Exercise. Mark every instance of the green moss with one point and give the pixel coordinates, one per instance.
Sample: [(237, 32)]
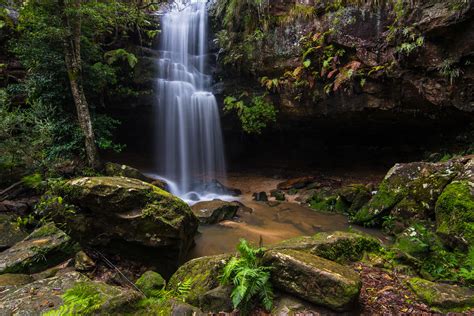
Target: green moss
[(151, 283), (203, 274), (444, 297), (337, 246), (324, 201), (455, 212), (386, 198)]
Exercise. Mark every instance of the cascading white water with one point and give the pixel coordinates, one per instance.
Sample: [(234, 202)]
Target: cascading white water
[(189, 139)]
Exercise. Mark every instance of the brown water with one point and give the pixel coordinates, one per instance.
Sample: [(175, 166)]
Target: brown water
[(270, 224)]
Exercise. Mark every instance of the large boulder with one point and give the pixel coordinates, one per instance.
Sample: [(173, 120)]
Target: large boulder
[(46, 295), (117, 170), (336, 246), (45, 247), (126, 216), (455, 209), (202, 274), (409, 191), (442, 296), (212, 212), (313, 278)]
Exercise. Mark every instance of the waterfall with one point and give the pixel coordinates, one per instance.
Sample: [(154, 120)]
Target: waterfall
[(188, 134)]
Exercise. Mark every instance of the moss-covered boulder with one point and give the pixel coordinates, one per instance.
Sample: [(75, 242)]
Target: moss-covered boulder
[(46, 295), (445, 297), (285, 304), (416, 186), (212, 212), (10, 233), (44, 248), (126, 216), (455, 214), (315, 279), (354, 196), (202, 274), (337, 246), (151, 283), (118, 170)]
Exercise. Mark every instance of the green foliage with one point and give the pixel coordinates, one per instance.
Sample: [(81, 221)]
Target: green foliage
[(450, 70), (113, 56), (82, 299), (255, 115), (250, 279)]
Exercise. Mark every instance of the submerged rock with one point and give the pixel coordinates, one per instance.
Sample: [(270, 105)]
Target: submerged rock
[(212, 212), (202, 274), (443, 296), (313, 278), (260, 196), (44, 248), (337, 246), (127, 216)]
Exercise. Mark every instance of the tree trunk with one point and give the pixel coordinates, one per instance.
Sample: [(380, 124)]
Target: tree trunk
[(72, 52)]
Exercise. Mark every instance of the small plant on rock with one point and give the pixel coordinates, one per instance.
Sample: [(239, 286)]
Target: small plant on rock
[(250, 279)]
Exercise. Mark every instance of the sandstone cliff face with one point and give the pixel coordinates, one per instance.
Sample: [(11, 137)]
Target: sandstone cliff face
[(434, 81)]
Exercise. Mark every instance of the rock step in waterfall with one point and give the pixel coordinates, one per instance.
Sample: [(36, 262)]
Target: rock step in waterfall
[(189, 142)]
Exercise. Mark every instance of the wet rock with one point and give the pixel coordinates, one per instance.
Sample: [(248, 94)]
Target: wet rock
[(260, 196), (83, 263), (279, 195), (151, 283), (216, 187), (217, 300), (337, 246), (313, 278), (285, 304), (10, 233), (443, 296), (45, 295), (129, 217), (418, 184), (296, 183), (203, 273), (118, 170), (45, 247), (212, 212)]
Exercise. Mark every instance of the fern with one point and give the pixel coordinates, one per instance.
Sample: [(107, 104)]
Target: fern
[(183, 289), (250, 280), (82, 299)]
